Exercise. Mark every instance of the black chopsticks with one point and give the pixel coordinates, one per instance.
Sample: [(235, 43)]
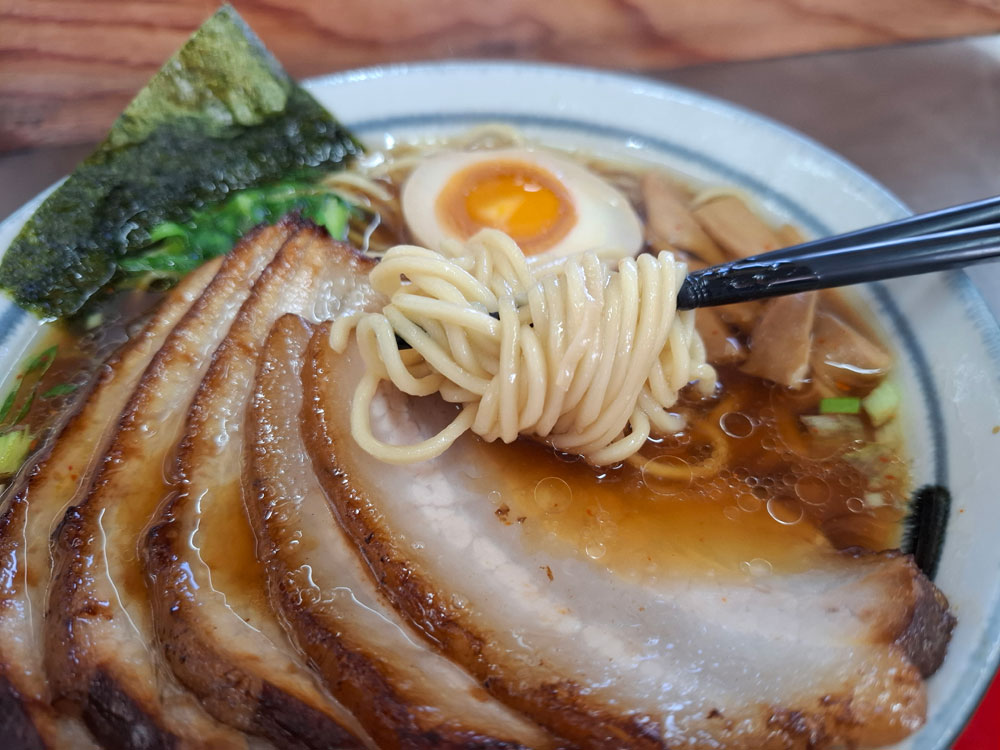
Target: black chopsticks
[(936, 241)]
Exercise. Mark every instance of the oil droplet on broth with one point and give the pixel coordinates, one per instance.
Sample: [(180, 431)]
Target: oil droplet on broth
[(812, 489), (553, 495), (748, 503), (855, 504), (736, 424), (621, 523), (785, 511), (757, 567), (665, 475)]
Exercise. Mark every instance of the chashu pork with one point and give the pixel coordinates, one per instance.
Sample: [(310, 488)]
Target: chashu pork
[(406, 694), (100, 644), (36, 504), (833, 655), (210, 603)]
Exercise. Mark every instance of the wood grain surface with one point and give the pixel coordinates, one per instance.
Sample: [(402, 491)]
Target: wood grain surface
[(67, 67)]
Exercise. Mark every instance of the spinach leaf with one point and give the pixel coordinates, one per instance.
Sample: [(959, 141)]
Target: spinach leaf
[(213, 230)]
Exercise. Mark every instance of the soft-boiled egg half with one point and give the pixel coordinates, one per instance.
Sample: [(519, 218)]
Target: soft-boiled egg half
[(551, 206)]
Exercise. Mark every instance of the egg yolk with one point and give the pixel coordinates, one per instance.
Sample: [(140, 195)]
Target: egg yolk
[(520, 199)]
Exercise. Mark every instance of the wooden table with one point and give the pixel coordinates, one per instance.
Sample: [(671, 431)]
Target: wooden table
[(922, 118), (68, 66)]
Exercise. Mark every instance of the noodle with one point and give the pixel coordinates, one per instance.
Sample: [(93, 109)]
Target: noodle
[(585, 359), (684, 471)]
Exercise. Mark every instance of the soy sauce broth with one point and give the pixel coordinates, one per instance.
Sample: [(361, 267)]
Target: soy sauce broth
[(66, 359), (779, 501)]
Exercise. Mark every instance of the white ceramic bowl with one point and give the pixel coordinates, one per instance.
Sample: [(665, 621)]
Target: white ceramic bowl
[(948, 344)]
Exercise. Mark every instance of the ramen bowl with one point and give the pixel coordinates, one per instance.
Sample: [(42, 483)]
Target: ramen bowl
[(946, 343)]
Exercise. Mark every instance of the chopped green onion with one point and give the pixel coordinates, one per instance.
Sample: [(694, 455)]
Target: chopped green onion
[(42, 361), (14, 447), (842, 405), (59, 390), (882, 404), (8, 404)]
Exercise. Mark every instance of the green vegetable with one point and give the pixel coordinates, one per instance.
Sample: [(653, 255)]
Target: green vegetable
[(14, 448), (220, 116), (27, 385), (59, 390), (41, 361), (8, 404), (882, 403), (214, 229), (843, 405)]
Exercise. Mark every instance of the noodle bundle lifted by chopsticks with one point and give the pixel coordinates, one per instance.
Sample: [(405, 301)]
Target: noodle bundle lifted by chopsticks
[(583, 358)]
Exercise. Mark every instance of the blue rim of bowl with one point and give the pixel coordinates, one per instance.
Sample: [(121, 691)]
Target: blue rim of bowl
[(982, 669)]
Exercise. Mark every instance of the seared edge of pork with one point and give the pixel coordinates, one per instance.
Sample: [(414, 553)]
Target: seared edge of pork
[(247, 676)]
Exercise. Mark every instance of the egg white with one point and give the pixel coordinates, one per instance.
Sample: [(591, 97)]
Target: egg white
[(605, 220)]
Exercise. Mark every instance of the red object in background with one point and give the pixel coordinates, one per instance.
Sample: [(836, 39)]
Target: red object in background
[(983, 732)]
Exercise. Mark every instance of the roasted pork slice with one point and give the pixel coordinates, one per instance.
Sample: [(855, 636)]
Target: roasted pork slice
[(826, 655), (37, 503), (406, 694), (100, 644), (210, 603)]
